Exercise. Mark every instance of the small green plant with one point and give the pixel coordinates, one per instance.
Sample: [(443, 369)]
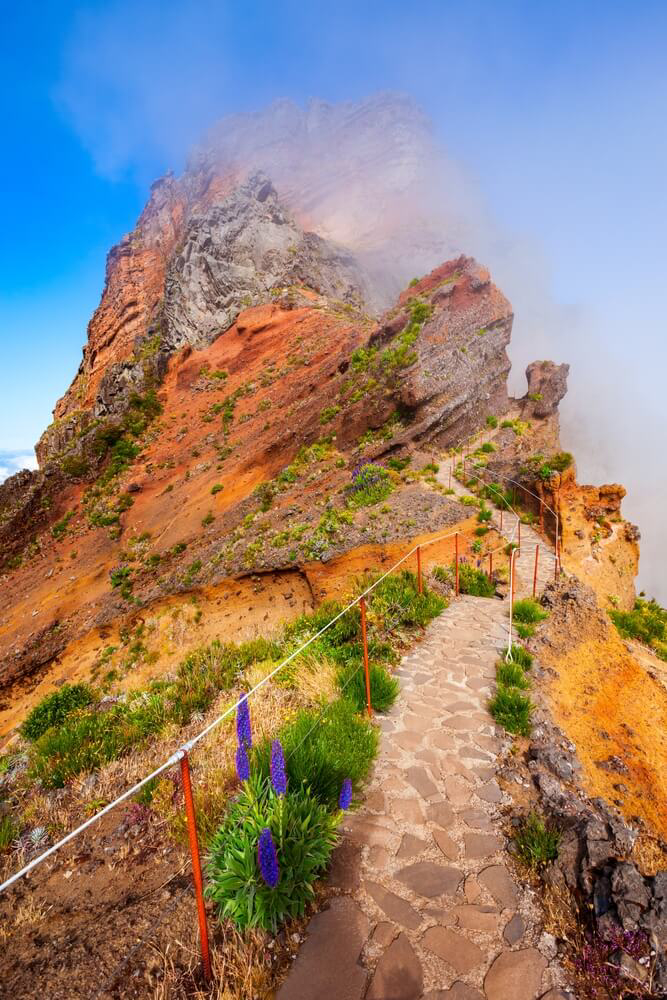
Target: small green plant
[(511, 675), (8, 833), (370, 484), (527, 611), (398, 464), (55, 708), (521, 656), (384, 687), (323, 748), (121, 579), (512, 710), (647, 623), (303, 835), (216, 488), (208, 519), (75, 466), (536, 842), (328, 413), (474, 581), (491, 421), (59, 530)]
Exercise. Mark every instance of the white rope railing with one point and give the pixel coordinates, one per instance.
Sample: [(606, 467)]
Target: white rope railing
[(183, 750)]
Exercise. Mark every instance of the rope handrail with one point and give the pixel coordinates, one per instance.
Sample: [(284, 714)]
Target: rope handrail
[(186, 747)]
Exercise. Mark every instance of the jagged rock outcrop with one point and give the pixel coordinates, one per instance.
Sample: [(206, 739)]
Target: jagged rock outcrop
[(547, 384), (240, 252)]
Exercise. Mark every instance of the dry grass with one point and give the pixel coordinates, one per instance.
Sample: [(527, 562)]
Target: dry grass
[(649, 854), (28, 914)]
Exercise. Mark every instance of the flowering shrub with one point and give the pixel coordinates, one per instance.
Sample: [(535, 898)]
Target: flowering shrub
[(598, 965), (370, 484), (268, 853)]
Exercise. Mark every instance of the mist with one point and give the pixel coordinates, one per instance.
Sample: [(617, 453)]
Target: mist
[(532, 152)]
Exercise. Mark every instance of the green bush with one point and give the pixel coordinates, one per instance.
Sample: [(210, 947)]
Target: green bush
[(647, 622), (55, 708), (521, 656), (8, 833), (322, 748), (397, 603), (528, 611), (370, 484), (304, 834), (75, 466), (398, 464), (384, 687), (511, 675), (491, 421), (474, 581), (512, 710), (536, 842)]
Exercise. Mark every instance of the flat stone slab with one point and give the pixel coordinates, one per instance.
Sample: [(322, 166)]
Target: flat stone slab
[(429, 879), (514, 929), (448, 846), (345, 867), (477, 819), (409, 810), (515, 974), (397, 909), (456, 950), (459, 991), (440, 813), (411, 846), (498, 881), (419, 778), (477, 918), (398, 974), (481, 845), (327, 962), (490, 792)]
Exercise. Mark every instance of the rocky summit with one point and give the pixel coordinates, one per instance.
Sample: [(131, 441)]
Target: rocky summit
[(267, 410)]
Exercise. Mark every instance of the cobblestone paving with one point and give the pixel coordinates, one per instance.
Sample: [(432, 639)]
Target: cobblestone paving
[(432, 909)]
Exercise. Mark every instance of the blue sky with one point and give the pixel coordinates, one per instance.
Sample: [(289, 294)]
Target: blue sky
[(556, 112)]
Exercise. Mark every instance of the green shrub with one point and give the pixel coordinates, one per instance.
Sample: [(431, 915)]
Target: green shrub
[(216, 488), (304, 834), (384, 687), (8, 833), (536, 842), (398, 464), (525, 631), (75, 466), (370, 484), (59, 529), (55, 708), (322, 748), (511, 675), (521, 656), (397, 603), (474, 581), (528, 612), (85, 742), (491, 421), (512, 710), (647, 622)]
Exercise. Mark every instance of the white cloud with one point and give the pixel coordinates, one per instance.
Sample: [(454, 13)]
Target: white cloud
[(13, 461)]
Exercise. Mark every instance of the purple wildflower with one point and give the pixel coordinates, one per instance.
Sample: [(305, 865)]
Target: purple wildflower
[(278, 774), (242, 763), (268, 860), (345, 794), (243, 731)]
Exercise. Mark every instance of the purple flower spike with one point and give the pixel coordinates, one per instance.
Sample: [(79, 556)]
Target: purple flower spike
[(268, 860), (242, 763), (243, 724), (345, 794), (278, 774)]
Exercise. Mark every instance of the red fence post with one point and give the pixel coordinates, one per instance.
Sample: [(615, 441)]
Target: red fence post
[(490, 565), (537, 556), (196, 865), (513, 575), (420, 586), (456, 543), (364, 638)]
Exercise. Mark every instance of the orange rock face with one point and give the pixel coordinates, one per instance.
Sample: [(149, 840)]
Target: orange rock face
[(132, 293)]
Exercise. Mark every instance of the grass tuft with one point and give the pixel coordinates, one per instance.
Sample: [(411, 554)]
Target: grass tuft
[(537, 842), (512, 710)]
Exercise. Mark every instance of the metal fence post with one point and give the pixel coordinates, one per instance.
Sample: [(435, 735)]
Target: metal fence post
[(456, 543), (196, 865), (490, 565), (519, 545), (364, 639)]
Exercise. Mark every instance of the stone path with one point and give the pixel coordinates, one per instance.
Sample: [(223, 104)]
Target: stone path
[(431, 908)]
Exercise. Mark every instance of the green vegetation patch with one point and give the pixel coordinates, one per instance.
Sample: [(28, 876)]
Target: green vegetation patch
[(536, 841), (647, 623), (370, 484), (55, 708)]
